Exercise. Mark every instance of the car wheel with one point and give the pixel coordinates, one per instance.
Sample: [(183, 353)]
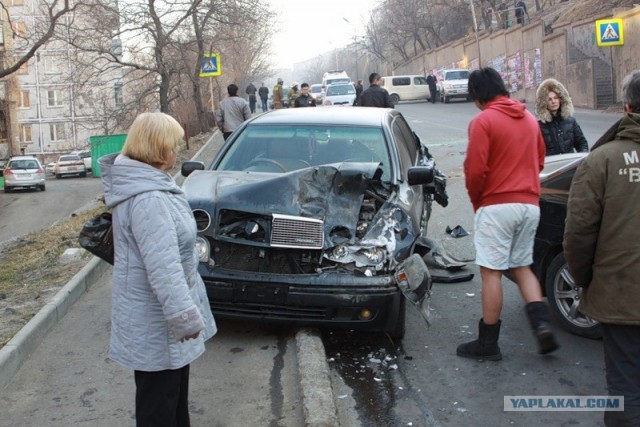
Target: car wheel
[(446, 99), (7, 189), (395, 99), (397, 329), (83, 175), (42, 187), (58, 176), (564, 299)]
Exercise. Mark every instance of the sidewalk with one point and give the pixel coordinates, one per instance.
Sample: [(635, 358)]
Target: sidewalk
[(313, 371)]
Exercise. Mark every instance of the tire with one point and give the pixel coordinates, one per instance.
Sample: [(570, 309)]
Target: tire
[(446, 99), (397, 329), (83, 175), (395, 99), (42, 187), (58, 176), (7, 189), (564, 300)]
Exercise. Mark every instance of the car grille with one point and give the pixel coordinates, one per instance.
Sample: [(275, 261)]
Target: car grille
[(296, 232), (268, 311)]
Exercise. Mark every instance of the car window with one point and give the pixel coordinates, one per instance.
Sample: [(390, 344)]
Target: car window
[(68, 158), (294, 147), (335, 90), (419, 80), (401, 81), (406, 144), (457, 75), (316, 89), (23, 164)]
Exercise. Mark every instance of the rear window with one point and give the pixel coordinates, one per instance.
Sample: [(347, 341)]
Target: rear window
[(23, 164), (69, 159), (316, 89)]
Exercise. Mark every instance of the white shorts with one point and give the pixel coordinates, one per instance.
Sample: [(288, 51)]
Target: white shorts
[(504, 235)]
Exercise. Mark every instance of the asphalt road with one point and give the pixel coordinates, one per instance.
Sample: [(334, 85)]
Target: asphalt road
[(27, 211)]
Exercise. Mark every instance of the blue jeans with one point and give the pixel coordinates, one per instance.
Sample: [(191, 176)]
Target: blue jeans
[(264, 104)]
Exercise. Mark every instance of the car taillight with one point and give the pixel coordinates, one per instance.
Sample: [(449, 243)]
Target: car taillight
[(40, 170), (8, 172)]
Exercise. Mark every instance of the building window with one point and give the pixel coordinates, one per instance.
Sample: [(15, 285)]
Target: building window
[(55, 98), (19, 29), (25, 133), (23, 99), (50, 65), (117, 89), (56, 132)]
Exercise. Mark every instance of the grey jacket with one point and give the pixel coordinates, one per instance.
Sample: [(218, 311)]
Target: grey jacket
[(158, 297), (231, 113)]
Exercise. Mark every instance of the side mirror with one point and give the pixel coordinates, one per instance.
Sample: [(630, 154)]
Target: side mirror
[(190, 166), (420, 175)]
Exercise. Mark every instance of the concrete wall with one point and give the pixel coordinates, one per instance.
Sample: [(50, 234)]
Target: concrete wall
[(525, 56)]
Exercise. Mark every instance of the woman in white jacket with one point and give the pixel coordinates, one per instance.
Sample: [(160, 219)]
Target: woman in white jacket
[(160, 315)]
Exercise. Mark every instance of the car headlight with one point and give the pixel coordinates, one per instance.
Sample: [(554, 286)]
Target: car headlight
[(375, 255), (203, 249)]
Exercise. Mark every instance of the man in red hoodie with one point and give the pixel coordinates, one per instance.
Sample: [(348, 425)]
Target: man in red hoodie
[(504, 158)]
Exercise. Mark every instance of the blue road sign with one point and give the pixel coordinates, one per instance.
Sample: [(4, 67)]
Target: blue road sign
[(610, 32), (210, 66)]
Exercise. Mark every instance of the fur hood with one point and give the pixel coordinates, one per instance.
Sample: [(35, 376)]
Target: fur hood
[(552, 85)]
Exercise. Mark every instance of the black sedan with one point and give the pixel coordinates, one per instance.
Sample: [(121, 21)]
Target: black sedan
[(549, 263), (317, 216)]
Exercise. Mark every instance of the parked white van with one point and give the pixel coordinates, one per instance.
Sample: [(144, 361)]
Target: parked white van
[(406, 88), (334, 76)]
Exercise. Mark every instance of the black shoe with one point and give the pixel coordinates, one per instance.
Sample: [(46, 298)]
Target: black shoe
[(486, 346), (538, 314)]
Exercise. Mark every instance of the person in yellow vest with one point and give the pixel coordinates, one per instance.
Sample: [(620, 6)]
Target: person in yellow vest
[(277, 94), (294, 93)]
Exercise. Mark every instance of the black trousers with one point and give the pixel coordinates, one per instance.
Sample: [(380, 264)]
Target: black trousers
[(161, 398), (622, 363)]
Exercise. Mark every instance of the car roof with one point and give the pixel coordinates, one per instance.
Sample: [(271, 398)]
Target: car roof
[(23, 158), (358, 116)]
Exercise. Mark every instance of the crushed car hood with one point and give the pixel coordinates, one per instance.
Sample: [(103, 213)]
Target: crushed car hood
[(332, 193)]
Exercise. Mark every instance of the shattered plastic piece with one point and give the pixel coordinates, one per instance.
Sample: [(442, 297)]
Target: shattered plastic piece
[(470, 294), (377, 379), (394, 366), (457, 231), (331, 359), (342, 396), (374, 360)]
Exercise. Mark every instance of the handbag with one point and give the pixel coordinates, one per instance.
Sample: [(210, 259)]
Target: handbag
[(96, 236)]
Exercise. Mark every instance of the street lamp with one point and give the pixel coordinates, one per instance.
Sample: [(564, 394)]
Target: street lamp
[(355, 42)]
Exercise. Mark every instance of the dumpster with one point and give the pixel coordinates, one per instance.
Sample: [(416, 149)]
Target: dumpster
[(101, 145)]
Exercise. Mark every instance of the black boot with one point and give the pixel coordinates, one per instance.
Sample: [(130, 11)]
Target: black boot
[(538, 314), (486, 346)]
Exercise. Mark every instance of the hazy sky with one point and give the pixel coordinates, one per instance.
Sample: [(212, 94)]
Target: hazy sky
[(309, 27)]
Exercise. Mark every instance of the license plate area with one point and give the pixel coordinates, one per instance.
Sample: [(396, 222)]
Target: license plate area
[(267, 294)]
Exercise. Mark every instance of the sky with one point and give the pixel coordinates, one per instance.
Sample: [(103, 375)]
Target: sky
[(310, 27)]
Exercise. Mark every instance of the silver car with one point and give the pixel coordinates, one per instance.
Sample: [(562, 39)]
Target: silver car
[(23, 172), (70, 164), (341, 94)]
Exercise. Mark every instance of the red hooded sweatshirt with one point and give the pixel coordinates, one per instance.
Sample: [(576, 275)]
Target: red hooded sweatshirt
[(505, 155)]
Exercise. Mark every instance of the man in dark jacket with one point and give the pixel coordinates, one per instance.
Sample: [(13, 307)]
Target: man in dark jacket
[(359, 90), (263, 92), (375, 96), (304, 99), (251, 91), (601, 247), (433, 90)]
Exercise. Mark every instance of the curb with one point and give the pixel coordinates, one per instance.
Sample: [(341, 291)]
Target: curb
[(318, 404), (18, 349)]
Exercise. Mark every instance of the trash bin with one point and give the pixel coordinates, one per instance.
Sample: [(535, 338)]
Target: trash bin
[(101, 145)]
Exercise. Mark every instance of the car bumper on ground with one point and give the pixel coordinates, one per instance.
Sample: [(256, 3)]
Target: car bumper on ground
[(327, 299)]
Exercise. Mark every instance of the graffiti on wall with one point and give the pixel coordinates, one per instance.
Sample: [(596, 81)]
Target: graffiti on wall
[(532, 68)]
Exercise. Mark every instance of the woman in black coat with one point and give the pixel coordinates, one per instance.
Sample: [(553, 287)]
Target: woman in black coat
[(559, 128)]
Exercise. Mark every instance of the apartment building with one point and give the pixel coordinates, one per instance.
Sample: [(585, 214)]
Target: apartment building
[(62, 96)]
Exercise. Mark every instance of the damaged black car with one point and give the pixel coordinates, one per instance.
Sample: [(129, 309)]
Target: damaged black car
[(317, 216)]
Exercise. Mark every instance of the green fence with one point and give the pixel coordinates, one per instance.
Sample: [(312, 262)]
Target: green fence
[(101, 145)]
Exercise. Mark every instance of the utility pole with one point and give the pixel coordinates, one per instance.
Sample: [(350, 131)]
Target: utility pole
[(475, 32)]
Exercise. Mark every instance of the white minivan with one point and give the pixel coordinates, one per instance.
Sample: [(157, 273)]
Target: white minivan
[(406, 88)]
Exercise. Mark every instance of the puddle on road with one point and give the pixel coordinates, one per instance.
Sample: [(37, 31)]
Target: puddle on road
[(367, 364)]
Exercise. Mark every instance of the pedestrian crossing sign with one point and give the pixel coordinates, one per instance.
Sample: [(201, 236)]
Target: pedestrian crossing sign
[(610, 32), (210, 66)]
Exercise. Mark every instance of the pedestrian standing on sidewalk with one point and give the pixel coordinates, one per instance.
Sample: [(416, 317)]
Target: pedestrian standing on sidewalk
[(374, 95), (232, 112), (251, 91), (160, 316), (504, 157), (263, 92), (432, 80), (601, 247)]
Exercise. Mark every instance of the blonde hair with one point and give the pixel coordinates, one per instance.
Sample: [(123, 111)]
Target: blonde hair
[(153, 138)]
